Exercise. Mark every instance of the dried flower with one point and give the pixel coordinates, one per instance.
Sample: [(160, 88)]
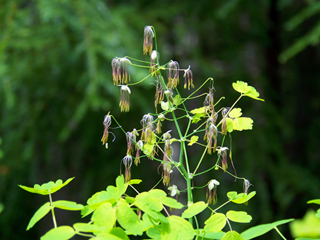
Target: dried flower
[(148, 40), (173, 74), (212, 191), (124, 98), (139, 146), (120, 71), (188, 77), (222, 152), (154, 58), (106, 124), (211, 134), (127, 162)]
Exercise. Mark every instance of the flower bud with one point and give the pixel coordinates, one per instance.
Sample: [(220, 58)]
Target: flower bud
[(148, 40), (188, 77), (173, 74), (212, 191), (124, 98), (106, 124)]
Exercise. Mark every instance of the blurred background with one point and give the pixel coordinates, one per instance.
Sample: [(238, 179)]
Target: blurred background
[(56, 86)]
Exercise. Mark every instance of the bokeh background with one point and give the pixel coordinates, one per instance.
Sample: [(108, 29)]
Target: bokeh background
[(56, 86)]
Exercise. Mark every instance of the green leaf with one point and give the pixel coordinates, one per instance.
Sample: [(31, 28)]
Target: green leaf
[(232, 235), (236, 112), (243, 88), (121, 185), (239, 216), (318, 213), (134, 181), (46, 187), (198, 110), (242, 123), (67, 205), (241, 197), (104, 216), (147, 148), (164, 105), (215, 223), (262, 229), (154, 232), (120, 233), (193, 140), (171, 202), (194, 209), (40, 213), (128, 219), (177, 228), (316, 201), (308, 226), (229, 123), (176, 100), (61, 233), (86, 227), (210, 235)]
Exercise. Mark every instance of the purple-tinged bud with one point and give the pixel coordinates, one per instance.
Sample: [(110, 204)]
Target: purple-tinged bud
[(246, 185), (160, 119), (159, 93), (147, 127), (124, 98), (211, 134), (188, 77), (127, 162), (225, 112), (173, 74), (139, 146), (148, 40), (209, 101), (222, 152), (106, 124), (120, 73), (154, 58), (131, 139), (212, 191)]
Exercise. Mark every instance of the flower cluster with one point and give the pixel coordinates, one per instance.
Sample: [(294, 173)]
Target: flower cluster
[(120, 73), (173, 74)]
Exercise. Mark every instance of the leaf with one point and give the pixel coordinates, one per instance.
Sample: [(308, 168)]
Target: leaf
[(243, 88), (194, 209), (176, 100), (61, 233), (215, 223), (154, 204), (40, 213), (316, 201), (121, 185), (134, 181), (171, 202), (242, 123), (86, 227), (241, 197), (232, 235), (128, 219), (229, 123), (154, 232), (193, 140), (262, 229), (238, 216), (118, 232), (177, 228), (104, 216), (46, 187), (67, 205), (198, 110), (308, 226), (210, 235), (164, 105), (236, 112)]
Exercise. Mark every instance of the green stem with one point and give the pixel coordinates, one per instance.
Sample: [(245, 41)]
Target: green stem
[(280, 233), (52, 211)]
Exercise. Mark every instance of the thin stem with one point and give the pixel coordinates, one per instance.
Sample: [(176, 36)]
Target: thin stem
[(221, 206), (280, 233), (203, 154), (52, 211)]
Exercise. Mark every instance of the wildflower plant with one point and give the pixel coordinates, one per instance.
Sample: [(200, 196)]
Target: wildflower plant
[(116, 215)]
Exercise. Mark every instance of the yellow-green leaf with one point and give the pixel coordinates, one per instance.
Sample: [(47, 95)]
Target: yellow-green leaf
[(232, 235), (238, 216), (236, 112), (242, 123), (40, 213), (198, 110), (164, 105), (215, 223), (61, 233), (194, 209), (193, 140)]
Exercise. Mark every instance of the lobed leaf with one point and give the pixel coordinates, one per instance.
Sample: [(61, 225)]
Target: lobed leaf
[(104, 216), (177, 228), (232, 235), (238, 216), (46, 187), (236, 112), (67, 205), (246, 90), (215, 223), (61, 233), (194, 209), (171, 202), (164, 106), (193, 140), (86, 227)]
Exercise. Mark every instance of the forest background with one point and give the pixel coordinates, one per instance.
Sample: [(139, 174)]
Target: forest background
[(56, 87)]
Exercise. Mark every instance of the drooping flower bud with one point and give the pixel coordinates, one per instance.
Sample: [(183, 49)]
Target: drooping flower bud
[(166, 158), (124, 98), (212, 191), (173, 74), (127, 162), (147, 127), (120, 73), (222, 152), (160, 119), (106, 124), (148, 40), (159, 93), (209, 101), (139, 146), (224, 120), (188, 77), (246, 185), (211, 134), (131, 139)]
